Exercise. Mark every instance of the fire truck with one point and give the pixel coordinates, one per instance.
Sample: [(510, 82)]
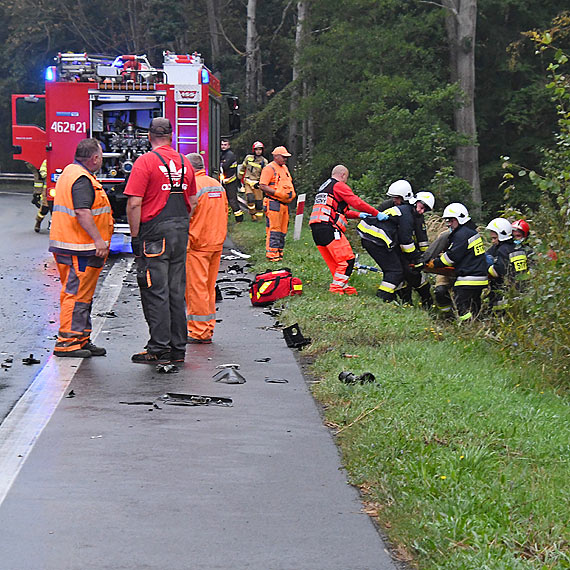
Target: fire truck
[(114, 99)]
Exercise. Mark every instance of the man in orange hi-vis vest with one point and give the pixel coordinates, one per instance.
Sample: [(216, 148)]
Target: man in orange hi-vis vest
[(276, 184), (80, 234), (207, 232)]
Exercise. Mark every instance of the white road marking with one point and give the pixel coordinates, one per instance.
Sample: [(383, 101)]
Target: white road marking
[(26, 421)]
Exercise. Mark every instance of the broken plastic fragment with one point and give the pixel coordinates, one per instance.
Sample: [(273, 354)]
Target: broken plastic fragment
[(240, 254), (71, 394), (351, 378), (30, 360), (294, 338), (266, 359), (229, 376), (276, 380), (166, 368), (175, 399)]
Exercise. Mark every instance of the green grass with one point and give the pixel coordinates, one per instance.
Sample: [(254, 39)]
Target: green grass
[(461, 454)]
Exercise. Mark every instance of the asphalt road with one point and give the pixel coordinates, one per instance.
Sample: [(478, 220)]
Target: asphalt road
[(88, 482)]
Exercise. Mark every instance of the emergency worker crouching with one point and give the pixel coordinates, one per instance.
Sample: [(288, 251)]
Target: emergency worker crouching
[(80, 234), (277, 185), (250, 172), (390, 241), (466, 254), (328, 226), (207, 232), (508, 262)]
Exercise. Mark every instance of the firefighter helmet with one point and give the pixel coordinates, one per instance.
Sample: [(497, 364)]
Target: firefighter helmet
[(502, 228), (401, 188), (426, 198), (522, 226), (257, 144), (457, 211)]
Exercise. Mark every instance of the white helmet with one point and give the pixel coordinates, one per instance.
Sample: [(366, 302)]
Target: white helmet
[(427, 198), (457, 211), (401, 188), (502, 228)]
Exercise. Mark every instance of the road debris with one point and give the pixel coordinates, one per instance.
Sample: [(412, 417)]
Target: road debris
[(30, 360), (294, 337), (167, 368), (276, 380), (70, 394), (229, 375), (266, 359), (351, 378), (175, 399)]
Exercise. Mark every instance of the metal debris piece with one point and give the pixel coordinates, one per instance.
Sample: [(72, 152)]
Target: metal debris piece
[(232, 292), (136, 403), (294, 338), (229, 375), (167, 368), (107, 314), (274, 311), (175, 399), (240, 254), (71, 394), (30, 360), (351, 378), (231, 365), (276, 380), (266, 359)]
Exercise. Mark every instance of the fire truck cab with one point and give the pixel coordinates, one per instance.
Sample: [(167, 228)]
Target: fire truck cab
[(114, 100)]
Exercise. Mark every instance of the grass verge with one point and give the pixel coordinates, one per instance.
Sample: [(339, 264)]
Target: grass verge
[(461, 455)]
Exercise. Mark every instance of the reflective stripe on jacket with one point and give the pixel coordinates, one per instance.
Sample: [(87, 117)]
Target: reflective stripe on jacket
[(66, 233), (327, 209)]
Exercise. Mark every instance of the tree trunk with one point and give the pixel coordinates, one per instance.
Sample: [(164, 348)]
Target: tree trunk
[(214, 32), (253, 78), (301, 35), (461, 22)]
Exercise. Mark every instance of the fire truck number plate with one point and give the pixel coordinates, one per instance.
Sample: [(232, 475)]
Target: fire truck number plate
[(69, 127)]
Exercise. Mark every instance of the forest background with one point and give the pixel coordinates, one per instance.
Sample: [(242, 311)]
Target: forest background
[(376, 84)]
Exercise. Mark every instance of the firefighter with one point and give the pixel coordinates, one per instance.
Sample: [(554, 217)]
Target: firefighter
[(207, 232), (161, 194), (80, 234), (521, 229), (277, 185), (228, 178), (509, 264), (250, 172), (39, 198), (328, 225), (445, 277), (466, 254), (391, 244)]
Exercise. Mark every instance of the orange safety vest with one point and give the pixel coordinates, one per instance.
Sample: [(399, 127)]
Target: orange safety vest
[(280, 182), (209, 222), (66, 234), (327, 209)]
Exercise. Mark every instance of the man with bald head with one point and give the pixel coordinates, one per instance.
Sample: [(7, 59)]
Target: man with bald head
[(328, 225)]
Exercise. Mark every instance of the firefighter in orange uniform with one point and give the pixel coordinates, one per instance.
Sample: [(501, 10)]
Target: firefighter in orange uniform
[(276, 184), (207, 232), (328, 225), (80, 234)]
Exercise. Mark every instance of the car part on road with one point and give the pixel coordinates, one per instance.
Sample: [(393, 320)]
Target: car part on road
[(229, 375), (266, 359), (276, 380), (175, 399), (351, 378), (167, 368), (240, 254), (70, 394), (294, 337)]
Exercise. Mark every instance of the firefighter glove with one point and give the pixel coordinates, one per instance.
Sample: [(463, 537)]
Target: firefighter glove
[(36, 200), (363, 215), (489, 258), (381, 216), (429, 264), (417, 266), (136, 245)]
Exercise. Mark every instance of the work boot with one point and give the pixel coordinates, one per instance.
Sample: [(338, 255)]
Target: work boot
[(38, 226), (348, 290), (177, 355), (77, 353), (95, 350), (336, 290), (192, 340), (145, 357)]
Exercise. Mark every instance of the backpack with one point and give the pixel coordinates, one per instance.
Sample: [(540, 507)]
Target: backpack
[(272, 285)]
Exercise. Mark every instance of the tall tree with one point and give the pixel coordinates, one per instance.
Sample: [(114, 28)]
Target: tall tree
[(212, 9), (253, 70), (461, 23)]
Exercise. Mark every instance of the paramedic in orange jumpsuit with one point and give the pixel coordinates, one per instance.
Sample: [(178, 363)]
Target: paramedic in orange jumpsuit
[(276, 184), (207, 232), (328, 225), (80, 234)]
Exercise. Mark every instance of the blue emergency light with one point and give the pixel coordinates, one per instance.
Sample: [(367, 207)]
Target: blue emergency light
[(205, 77), (50, 74)]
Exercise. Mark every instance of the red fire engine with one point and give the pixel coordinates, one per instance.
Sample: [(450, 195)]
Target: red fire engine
[(114, 100)]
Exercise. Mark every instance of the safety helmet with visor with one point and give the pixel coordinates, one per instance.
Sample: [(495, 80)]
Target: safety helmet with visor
[(426, 198), (502, 228), (401, 188), (457, 211), (522, 226), (257, 144)]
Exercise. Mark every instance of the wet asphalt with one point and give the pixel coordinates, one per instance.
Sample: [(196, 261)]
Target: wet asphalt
[(255, 485)]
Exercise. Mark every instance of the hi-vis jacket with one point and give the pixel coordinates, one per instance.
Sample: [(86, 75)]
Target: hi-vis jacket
[(332, 205), (399, 229), (466, 253), (252, 166), (509, 262), (228, 167), (66, 234)]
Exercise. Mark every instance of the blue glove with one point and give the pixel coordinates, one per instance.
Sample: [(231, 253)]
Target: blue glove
[(489, 258), (381, 216), (363, 215)]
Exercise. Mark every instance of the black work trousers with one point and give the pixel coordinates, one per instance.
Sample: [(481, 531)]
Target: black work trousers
[(161, 275), (467, 301), (391, 265), (231, 193)]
